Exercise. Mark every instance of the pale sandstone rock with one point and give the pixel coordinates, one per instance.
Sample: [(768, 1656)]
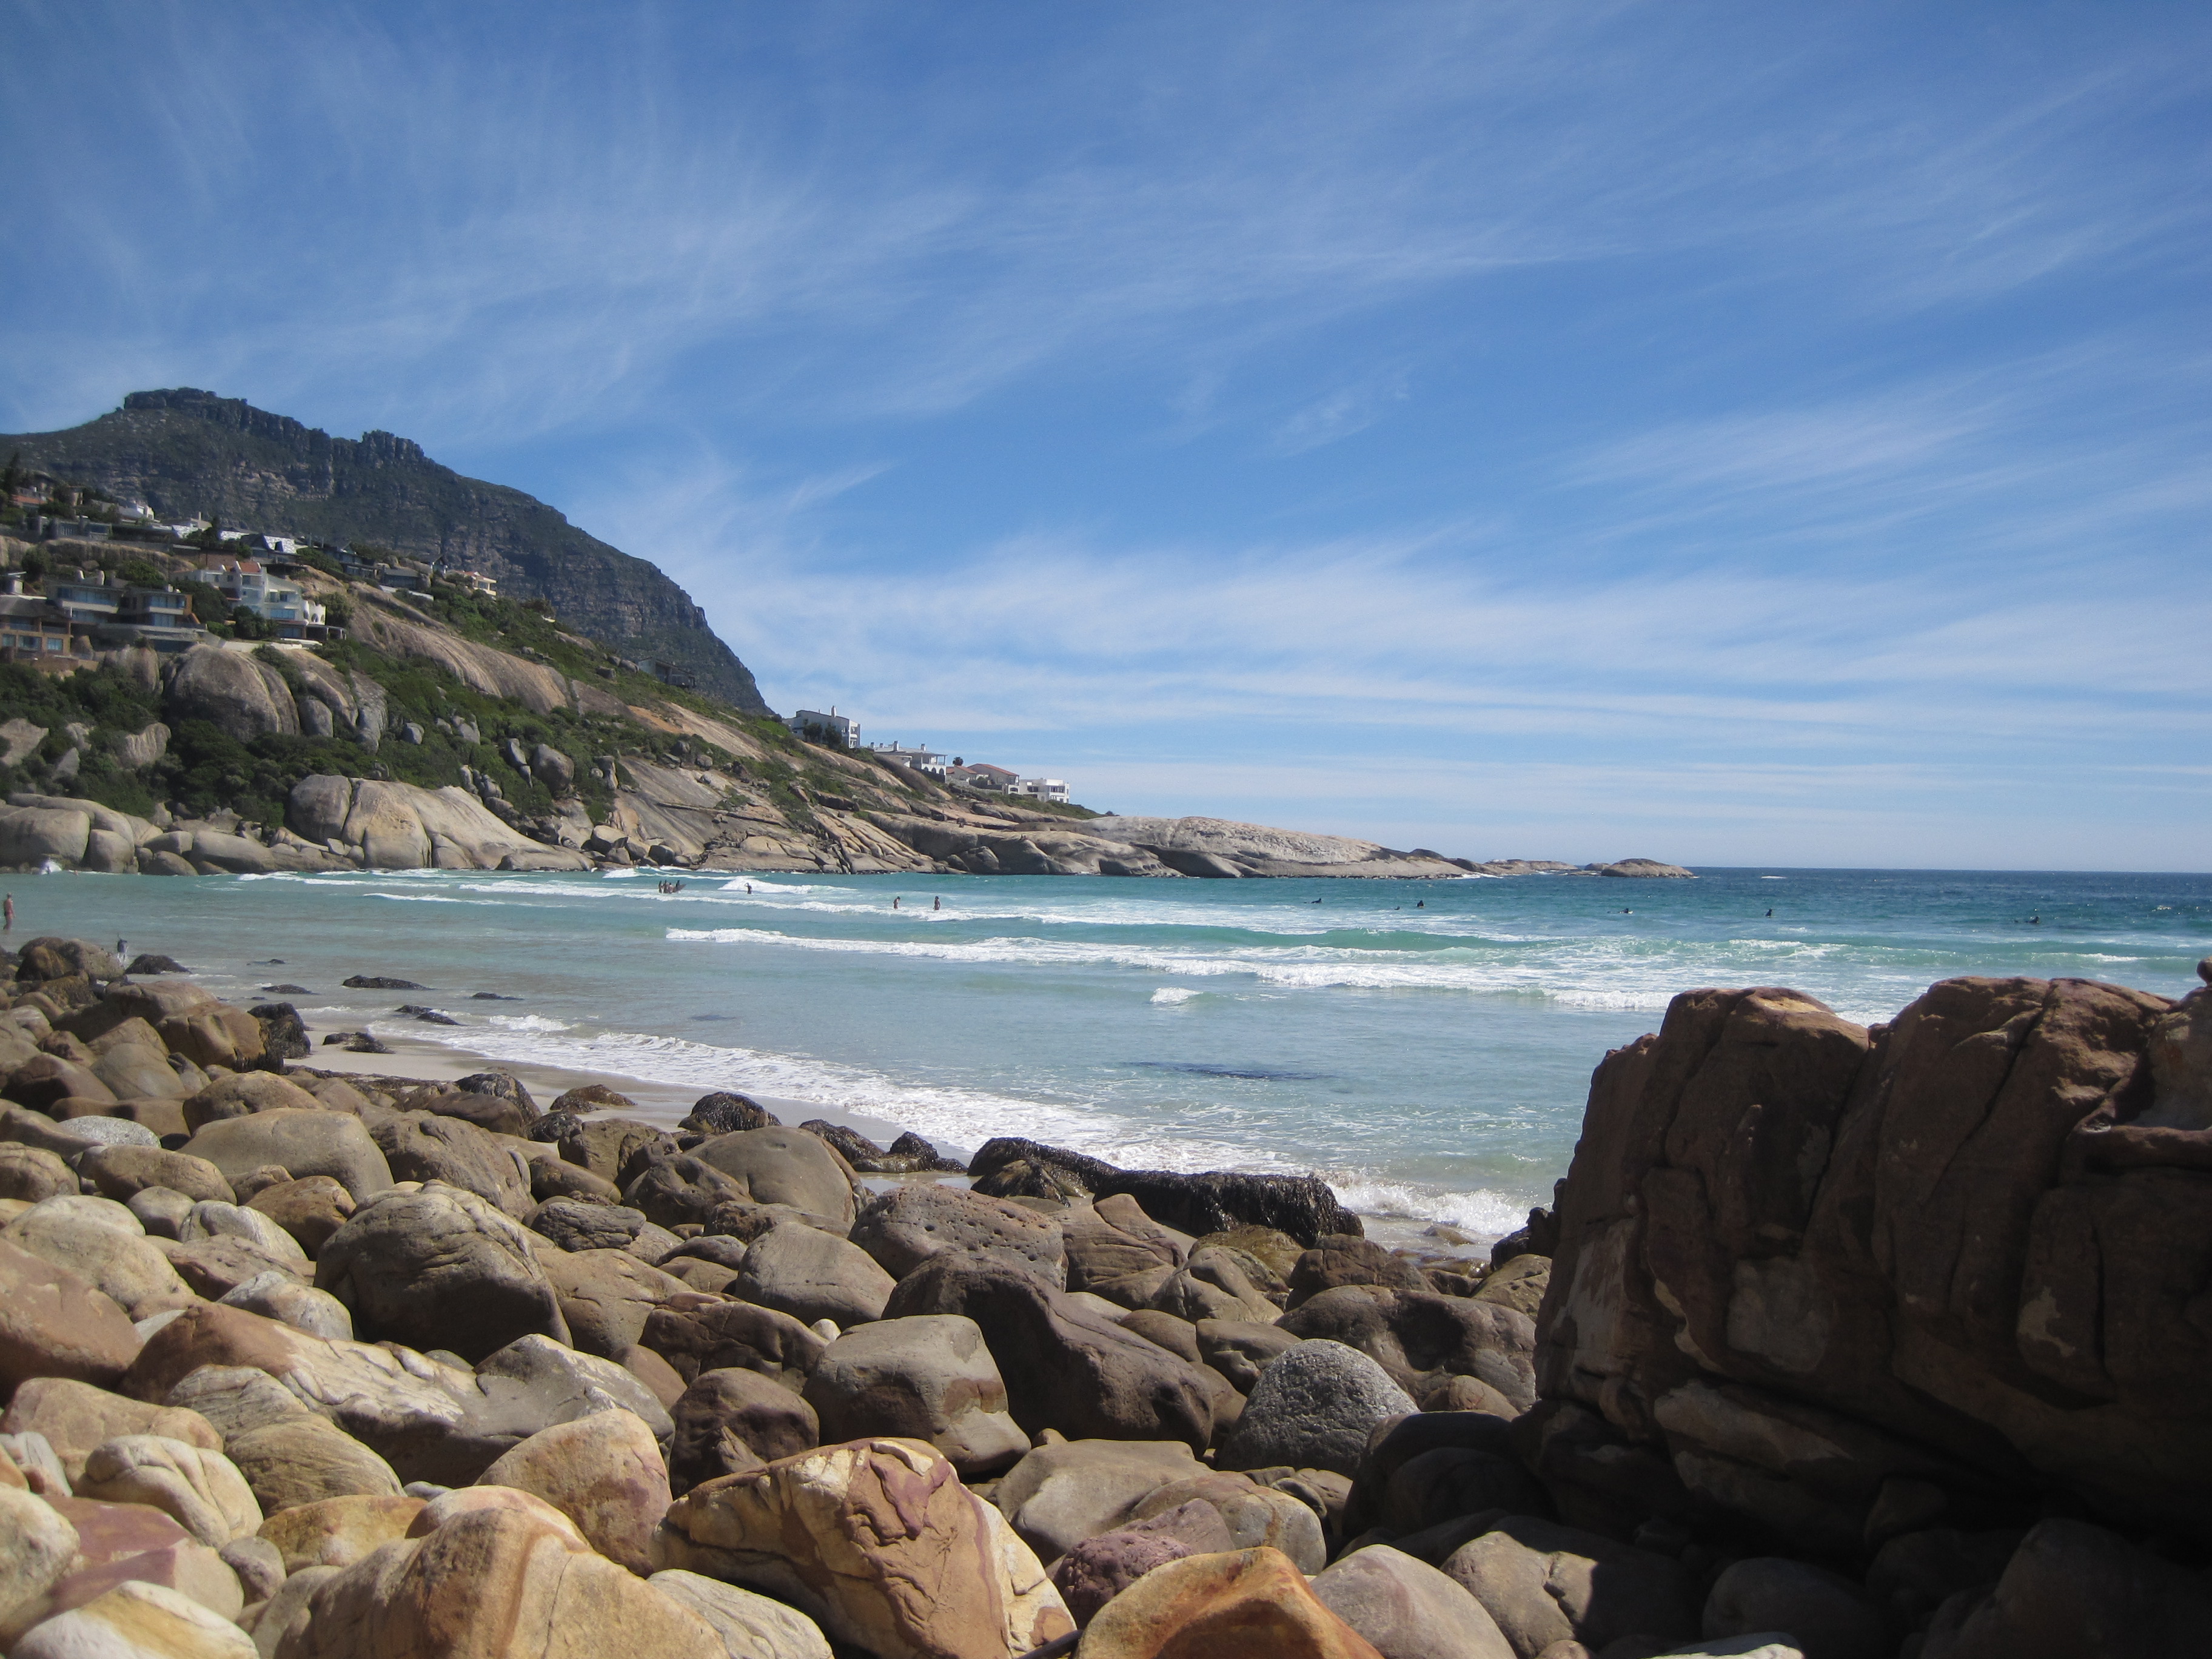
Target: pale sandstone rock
[(604, 1473), (494, 1583), (750, 1627), (339, 1531), (75, 1416), (202, 1490), (36, 1548), (54, 1323), (880, 1543), (137, 1621)]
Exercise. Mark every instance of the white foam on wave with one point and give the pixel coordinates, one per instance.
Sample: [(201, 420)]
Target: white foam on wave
[(1576, 973), (1172, 996), (1491, 1214), (528, 1022)]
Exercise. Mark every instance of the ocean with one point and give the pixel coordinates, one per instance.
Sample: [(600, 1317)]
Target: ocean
[(1425, 1046)]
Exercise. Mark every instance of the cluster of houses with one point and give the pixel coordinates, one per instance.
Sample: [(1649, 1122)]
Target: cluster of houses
[(82, 612), (842, 731)]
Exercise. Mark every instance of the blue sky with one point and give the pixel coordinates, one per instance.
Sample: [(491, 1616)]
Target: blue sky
[(1737, 434)]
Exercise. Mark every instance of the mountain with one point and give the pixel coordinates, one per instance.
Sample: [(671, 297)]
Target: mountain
[(186, 453)]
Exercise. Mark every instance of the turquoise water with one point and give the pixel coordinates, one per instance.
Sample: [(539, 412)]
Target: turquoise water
[(1427, 1046)]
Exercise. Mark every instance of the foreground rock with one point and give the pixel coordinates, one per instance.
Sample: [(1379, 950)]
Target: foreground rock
[(493, 1581), (1948, 1247), (880, 1544), (1251, 1604)]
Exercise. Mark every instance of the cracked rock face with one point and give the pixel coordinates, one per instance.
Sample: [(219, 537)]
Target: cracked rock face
[(1849, 1282)]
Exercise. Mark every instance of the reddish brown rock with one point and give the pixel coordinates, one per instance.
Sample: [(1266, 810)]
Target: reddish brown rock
[(54, 1323), (1961, 1248), (1250, 1604)]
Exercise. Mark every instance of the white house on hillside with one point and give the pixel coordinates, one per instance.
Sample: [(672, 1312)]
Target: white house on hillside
[(818, 728)]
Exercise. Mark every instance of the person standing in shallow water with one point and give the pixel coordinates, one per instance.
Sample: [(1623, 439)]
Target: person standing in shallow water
[(8, 910)]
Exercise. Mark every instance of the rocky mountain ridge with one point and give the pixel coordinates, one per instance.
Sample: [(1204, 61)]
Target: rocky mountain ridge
[(184, 451)]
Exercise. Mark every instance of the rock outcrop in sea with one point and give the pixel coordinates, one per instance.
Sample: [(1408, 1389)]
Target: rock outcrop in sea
[(1839, 1342)]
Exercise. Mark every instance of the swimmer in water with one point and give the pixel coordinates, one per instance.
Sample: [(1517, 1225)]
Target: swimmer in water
[(894, 904), (937, 904)]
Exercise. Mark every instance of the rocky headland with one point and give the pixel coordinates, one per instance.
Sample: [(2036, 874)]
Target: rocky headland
[(1841, 1342)]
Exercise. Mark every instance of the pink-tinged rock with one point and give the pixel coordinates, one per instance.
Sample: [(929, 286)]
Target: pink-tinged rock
[(54, 1323), (76, 1417), (137, 1621), (202, 1490), (604, 1473), (122, 1543), (490, 1584), (878, 1542)]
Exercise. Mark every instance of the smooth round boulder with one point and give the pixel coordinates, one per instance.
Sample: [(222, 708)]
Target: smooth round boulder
[(438, 1268), (812, 1275), (201, 1491), (1313, 1407), (212, 1219), (31, 1173), (604, 1473), (304, 1460), (1065, 1366), (927, 1377), (303, 1141), (101, 1242), (1246, 1604), (280, 1296), (310, 1208), (36, 1548), (243, 1094), (1066, 1491), (54, 1322), (751, 1626), (576, 1225), (785, 1166), (1408, 1609), (138, 1618), (121, 1171)]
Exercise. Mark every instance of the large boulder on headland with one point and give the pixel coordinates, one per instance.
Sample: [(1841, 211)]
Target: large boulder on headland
[(1956, 1247), (1303, 1206), (242, 697)]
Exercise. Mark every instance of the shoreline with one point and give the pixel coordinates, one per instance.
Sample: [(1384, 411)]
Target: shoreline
[(426, 1060)]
